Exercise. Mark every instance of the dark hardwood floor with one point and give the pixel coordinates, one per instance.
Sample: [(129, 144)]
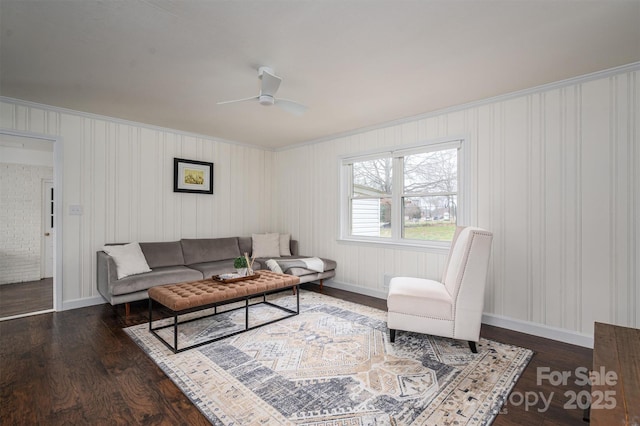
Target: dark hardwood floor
[(79, 367), (26, 297)]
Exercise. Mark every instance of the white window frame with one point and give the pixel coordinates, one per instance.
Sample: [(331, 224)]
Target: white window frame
[(397, 154)]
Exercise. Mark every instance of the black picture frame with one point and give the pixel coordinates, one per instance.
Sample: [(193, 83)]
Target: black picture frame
[(195, 177)]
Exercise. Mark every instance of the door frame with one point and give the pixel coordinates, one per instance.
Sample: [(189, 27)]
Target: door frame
[(58, 190), (46, 217)]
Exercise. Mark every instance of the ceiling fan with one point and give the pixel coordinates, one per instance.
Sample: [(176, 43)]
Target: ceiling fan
[(268, 88)]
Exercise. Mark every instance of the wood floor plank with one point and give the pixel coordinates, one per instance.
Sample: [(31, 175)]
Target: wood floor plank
[(22, 298)]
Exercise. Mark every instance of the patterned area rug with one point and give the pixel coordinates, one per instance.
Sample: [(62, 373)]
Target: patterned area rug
[(334, 365)]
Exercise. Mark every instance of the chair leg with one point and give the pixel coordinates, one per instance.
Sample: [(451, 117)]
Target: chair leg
[(127, 309), (472, 345), (321, 284), (392, 335)]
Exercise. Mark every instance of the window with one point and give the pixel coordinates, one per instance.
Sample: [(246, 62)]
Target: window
[(407, 196)]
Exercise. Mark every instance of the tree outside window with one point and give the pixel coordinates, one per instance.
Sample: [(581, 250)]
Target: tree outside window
[(430, 195), (423, 182)]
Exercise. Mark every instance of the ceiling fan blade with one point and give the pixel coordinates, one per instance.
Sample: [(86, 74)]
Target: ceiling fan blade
[(292, 107), (270, 82), (253, 98)]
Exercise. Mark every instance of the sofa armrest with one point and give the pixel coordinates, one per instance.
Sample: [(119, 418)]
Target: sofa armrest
[(107, 274)]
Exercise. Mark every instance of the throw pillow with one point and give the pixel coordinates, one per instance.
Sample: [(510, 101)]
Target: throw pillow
[(129, 259), (273, 265), (285, 249), (265, 245)]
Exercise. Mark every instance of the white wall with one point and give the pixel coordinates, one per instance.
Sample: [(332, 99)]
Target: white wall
[(554, 176), (121, 173), (21, 220)]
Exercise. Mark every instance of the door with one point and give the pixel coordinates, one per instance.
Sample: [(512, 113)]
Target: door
[(48, 222)]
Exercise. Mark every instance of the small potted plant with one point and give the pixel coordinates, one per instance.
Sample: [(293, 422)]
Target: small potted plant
[(240, 263)]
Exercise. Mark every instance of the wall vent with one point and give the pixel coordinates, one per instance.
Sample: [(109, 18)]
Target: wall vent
[(387, 279)]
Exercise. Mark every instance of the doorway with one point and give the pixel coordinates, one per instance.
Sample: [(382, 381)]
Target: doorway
[(29, 254)]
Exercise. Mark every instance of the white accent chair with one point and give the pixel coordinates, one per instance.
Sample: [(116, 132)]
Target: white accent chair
[(453, 307)]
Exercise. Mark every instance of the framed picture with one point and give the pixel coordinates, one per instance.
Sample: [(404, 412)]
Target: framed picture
[(192, 176)]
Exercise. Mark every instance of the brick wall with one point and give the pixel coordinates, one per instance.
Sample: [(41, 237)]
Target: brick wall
[(21, 221)]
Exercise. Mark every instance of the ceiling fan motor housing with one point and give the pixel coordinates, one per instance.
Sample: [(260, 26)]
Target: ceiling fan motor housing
[(265, 100), (261, 71)]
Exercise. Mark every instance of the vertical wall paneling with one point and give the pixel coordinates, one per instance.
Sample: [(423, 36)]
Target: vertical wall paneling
[(551, 209), (71, 127), (613, 198), (84, 231), (484, 140), (20, 118), (99, 192), (579, 207), (554, 176), (223, 188), (7, 116), (537, 206), (621, 124), (173, 201), (515, 209), (597, 210), (617, 200), (500, 203)]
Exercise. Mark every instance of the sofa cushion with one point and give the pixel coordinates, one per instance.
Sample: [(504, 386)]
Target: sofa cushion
[(285, 240), (158, 276), (204, 250), (265, 245), (214, 268), (245, 245), (163, 254), (129, 259)]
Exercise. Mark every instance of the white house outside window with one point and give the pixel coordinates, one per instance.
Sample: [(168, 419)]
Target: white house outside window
[(409, 196)]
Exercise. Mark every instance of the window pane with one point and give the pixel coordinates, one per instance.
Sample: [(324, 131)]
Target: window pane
[(372, 178), (371, 217), (431, 172), (429, 218)]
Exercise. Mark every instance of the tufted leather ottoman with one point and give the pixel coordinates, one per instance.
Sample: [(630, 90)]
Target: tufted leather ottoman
[(198, 295)]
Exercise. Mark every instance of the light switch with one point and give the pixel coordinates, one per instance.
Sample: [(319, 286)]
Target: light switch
[(75, 210)]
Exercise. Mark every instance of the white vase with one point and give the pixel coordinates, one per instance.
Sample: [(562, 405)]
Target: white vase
[(242, 271)]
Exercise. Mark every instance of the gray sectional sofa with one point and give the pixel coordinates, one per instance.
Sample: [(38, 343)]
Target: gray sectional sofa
[(189, 260)]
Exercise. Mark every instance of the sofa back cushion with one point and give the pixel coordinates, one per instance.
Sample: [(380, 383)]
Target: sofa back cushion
[(163, 254), (245, 245), (209, 249)]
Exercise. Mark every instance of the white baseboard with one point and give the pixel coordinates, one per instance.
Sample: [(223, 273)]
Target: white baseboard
[(82, 303), (540, 330), (380, 294)]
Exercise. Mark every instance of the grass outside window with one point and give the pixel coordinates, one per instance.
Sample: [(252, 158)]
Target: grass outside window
[(432, 231)]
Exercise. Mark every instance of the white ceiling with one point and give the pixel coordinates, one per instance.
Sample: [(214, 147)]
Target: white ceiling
[(355, 63)]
